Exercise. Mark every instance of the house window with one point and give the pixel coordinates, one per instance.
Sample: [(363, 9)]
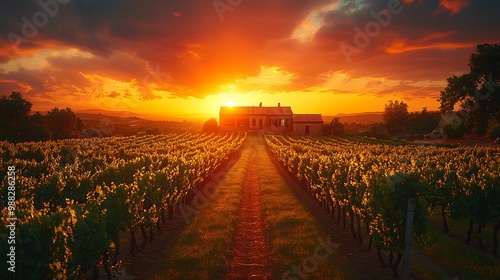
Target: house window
[(242, 122), (275, 122), (282, 122)]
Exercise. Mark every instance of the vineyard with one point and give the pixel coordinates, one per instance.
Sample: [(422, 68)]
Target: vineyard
[(76, 199), (369, 184), (82, 204)]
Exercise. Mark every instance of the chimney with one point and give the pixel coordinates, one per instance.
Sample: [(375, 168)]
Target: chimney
[(260, 104), (279, 105)]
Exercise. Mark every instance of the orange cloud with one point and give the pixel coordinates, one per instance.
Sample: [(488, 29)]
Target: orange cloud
[(453, 6), (262, 48), (431, 41)]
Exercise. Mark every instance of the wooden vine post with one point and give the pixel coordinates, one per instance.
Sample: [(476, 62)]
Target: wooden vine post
[(408, 237)]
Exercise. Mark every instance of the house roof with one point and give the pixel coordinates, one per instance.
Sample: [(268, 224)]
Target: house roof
[(308, 118), (252, 110)]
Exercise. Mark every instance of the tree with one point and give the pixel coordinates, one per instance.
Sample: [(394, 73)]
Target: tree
[(453, 130), (210, 126), (476, 92), (14, 116), (336, 127), (396, 116), (326, 129), (377, 130), (63, 124), (423, 122), (37, 129)]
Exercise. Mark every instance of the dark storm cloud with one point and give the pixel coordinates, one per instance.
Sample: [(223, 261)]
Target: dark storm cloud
[(423, 41)]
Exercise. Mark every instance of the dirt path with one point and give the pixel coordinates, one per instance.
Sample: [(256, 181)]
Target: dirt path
[(251, 250)]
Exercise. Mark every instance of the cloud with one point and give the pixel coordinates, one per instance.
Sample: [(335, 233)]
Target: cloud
[(428, 41), (453, 6)]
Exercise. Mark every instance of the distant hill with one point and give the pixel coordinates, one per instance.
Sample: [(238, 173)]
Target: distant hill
[(120, 114), (126, 114), (123, 124), (364, 118)]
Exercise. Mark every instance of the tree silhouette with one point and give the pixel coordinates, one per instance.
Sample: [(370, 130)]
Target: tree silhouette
[(336, 127), (14, 116), (210, 126), (63, 124), (423, 122), (476, 92), (37, 129), (396, 116), (18, 125)]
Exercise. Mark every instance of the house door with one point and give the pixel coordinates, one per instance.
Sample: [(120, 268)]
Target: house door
[(307, 130), (260, 123)]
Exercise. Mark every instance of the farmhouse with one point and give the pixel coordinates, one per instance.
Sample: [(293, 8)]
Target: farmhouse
[(307, 124), (273, 120)]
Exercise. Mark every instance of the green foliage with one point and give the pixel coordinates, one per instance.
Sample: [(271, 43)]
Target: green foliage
[(391, 200), (374, 179), (90, 240), (71, 207)]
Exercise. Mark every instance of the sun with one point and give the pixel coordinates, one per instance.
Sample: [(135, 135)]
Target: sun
[(230, 104)]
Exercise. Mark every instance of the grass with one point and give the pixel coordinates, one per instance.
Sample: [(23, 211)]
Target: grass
[(464, 260), (203, 249), (293, 230)]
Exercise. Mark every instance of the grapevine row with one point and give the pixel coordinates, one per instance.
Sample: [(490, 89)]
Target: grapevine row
[(372, 183), (75, 198)]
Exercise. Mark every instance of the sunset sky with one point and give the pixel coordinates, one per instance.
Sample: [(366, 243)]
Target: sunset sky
[(192, 56)]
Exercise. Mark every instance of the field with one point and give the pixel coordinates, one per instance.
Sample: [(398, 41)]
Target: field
[(237, 206)]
